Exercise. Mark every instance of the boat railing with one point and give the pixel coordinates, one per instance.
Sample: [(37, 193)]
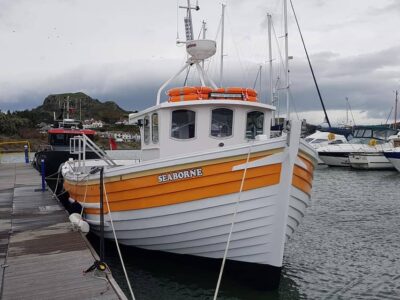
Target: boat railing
[(80, 143)]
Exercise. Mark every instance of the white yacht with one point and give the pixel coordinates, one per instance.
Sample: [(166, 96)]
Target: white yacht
[(366, 139)]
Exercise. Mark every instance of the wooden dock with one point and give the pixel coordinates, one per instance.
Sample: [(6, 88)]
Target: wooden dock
[(41, 257)]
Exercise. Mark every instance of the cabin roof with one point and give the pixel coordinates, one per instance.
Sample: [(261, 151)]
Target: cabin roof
[(71, 131), (186, 104)]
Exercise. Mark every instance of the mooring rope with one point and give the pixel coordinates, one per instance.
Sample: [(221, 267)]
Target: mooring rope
[(116, 243), (232, 224)]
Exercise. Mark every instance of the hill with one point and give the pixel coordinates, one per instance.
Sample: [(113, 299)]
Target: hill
[(81, 106)]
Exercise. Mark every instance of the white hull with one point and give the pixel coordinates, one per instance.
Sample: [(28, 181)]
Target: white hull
[(370, 161), (202, 228), (395, 162), (335, 161)]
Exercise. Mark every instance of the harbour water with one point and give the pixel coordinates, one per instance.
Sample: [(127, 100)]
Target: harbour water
[(347, 247)]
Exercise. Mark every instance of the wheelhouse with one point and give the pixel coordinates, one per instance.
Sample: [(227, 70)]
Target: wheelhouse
[(192, 126), (59, 137)]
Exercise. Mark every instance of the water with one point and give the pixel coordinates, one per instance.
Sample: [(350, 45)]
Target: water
[(347, 247), (14, 157)]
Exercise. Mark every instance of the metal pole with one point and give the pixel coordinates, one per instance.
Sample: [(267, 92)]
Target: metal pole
[(42, 169), (204, 37), (395, 110), (271, 91), (101, 216), (286, 59), (26, 154), (221, 70)]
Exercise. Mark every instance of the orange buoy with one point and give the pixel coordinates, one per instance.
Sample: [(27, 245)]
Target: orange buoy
[(248, 94), (189, 90), (188, 97)]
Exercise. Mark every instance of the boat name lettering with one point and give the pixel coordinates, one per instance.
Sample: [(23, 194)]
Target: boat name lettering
[(180, 175)]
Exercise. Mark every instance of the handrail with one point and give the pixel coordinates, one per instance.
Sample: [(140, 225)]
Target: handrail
[(17, 142), (78, 144)]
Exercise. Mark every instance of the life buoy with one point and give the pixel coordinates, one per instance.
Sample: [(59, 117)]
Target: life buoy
[(331, 136), (248, 94), (188, 97), (372, 142), (189, 90)]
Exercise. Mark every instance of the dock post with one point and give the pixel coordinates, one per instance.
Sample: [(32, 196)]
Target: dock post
[(42, 169), (26, 154), (101, 216)]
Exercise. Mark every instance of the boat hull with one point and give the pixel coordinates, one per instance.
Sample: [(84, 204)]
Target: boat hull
[(370, 161), (335, 159), (193, 215), (394, 158)]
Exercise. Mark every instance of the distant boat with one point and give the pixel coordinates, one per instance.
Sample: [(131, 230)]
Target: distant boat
[(365, 139), (206, 154), (393, 155), (324, 138), (57, 151)]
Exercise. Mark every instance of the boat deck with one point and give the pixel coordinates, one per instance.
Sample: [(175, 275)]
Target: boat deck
[(41, 257)]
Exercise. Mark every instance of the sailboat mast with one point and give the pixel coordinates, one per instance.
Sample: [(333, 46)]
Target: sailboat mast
[(204, 29), (347, 110), (271, 92), (221, 70), (67, 107), (395, 110), (285, 17)]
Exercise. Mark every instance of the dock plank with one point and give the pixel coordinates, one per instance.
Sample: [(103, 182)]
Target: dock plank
[(44, 257)]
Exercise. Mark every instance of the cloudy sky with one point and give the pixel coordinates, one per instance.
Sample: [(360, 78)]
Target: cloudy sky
[(123, 50)]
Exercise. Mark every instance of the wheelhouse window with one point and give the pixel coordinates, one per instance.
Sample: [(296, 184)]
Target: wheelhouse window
[(146, 130), (154, 128), (183, 124), (255, 124), (221, 122)]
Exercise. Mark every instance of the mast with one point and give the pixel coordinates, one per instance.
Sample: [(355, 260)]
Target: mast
[(347, 111), (67, 107), (204, 28), (395, 110), (286, 59), (271, 91), (221, 70)]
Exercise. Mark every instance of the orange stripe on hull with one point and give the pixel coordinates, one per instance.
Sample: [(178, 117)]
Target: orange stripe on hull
[(148, 192), (303, 177)]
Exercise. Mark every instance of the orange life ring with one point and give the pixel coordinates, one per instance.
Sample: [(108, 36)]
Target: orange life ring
[(189, 90), (251, 98), (188, 97), (236, 90)]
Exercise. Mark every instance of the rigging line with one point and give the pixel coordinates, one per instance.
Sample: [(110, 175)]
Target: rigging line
[(186, 77), (245, 74), (116, 243), (233, 223), (390, 113), (294, 104), (255, 81), (281, 65), (309, 63), (351, 112)]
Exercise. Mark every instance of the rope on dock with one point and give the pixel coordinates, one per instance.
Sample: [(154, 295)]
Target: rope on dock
[(221, 271), (116, 243)]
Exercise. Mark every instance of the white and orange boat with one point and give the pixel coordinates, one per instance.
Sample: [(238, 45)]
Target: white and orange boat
[(206, 153)]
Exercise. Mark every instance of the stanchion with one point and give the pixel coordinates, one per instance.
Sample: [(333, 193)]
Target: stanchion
[(43, 174), (26, 154), (101, 216)]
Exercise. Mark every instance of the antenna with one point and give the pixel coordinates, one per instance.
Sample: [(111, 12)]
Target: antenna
[(188, 20)]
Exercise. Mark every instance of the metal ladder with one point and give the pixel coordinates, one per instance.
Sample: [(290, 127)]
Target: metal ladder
[(78, 145)]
